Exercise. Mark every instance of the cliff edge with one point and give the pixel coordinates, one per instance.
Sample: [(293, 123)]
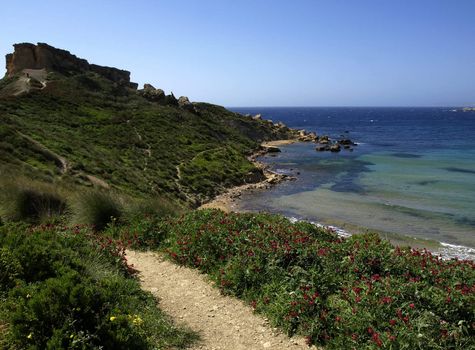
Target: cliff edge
[(27, 56)]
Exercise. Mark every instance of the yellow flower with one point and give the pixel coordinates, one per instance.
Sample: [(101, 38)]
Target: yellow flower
[(137, 320), (112, 318), (30, 336), (71, 336)]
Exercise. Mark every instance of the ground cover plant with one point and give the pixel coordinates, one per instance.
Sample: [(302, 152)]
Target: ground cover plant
[(71, 288), (354, 293)]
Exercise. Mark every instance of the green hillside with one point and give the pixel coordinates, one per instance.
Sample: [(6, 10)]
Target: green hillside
[(85, 130)]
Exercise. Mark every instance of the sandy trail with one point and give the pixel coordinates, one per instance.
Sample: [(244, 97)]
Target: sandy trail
[(223, 323)]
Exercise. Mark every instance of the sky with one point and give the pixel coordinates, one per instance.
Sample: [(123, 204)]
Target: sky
[(268, 52)]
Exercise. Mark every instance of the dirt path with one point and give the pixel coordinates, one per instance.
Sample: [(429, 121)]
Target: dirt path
[(223, 323)]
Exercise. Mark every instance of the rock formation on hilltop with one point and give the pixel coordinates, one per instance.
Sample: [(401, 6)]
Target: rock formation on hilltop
[(44, 56)]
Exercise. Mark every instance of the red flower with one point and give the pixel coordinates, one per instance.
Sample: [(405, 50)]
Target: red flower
[(376, 277), (412, 306), (392, 322), (377, 340)]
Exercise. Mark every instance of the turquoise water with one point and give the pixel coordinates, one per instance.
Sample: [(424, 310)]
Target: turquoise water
[(407, 188)]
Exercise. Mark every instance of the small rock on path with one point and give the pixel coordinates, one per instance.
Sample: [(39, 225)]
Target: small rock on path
[(223, 322)]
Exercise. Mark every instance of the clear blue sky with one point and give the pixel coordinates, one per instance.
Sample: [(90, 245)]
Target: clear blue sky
[(269, 52)]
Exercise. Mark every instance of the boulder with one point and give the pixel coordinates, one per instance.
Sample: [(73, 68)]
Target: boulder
[(152, 94), (322, 148), (346, 142), (257, 117), (335, 148), (272, 149), (184, 102), (148, 87), (171, 100)]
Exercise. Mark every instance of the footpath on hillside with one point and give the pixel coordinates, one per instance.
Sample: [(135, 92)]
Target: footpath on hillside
[(222, 322)]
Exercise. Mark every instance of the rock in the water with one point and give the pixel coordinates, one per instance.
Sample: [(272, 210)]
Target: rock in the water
[(345, 142), (335, 148), (322, 148), (272, 149), (307, 137)]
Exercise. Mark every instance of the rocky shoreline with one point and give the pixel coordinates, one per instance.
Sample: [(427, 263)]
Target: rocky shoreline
[(226, 201)]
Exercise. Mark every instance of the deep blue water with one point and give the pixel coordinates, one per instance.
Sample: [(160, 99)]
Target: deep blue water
[(413, 172)]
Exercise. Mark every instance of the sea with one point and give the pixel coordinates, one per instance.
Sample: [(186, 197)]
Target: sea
[(411, 177)]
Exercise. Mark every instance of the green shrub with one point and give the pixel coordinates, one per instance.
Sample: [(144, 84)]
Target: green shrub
[(31, 202), (97, 208), (10, 269), (359, 292), (79, 295)]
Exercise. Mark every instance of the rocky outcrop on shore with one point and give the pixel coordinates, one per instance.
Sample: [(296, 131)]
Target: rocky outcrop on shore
[(325, 143), (43, 56)]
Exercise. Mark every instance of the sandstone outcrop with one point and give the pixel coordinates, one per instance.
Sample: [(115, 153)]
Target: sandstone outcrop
[(184, 102), (44, 56), (152, 94)]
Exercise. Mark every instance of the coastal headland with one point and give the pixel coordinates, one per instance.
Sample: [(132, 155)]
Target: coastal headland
[(94, 171)]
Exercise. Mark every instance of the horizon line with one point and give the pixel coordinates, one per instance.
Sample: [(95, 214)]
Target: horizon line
[(269, 106)]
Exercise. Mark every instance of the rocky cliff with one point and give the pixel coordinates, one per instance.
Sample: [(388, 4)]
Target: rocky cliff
[(44, 56)]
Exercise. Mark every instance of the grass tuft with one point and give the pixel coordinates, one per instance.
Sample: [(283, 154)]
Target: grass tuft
[(32, 202), (97, 209)]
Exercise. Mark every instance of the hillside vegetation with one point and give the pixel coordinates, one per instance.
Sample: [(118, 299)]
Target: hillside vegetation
[(84, 130)]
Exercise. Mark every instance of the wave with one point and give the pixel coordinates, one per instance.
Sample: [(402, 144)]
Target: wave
[(447, 251)]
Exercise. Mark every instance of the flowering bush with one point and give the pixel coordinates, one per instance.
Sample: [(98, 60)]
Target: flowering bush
[(359, 292), (70, 288)]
